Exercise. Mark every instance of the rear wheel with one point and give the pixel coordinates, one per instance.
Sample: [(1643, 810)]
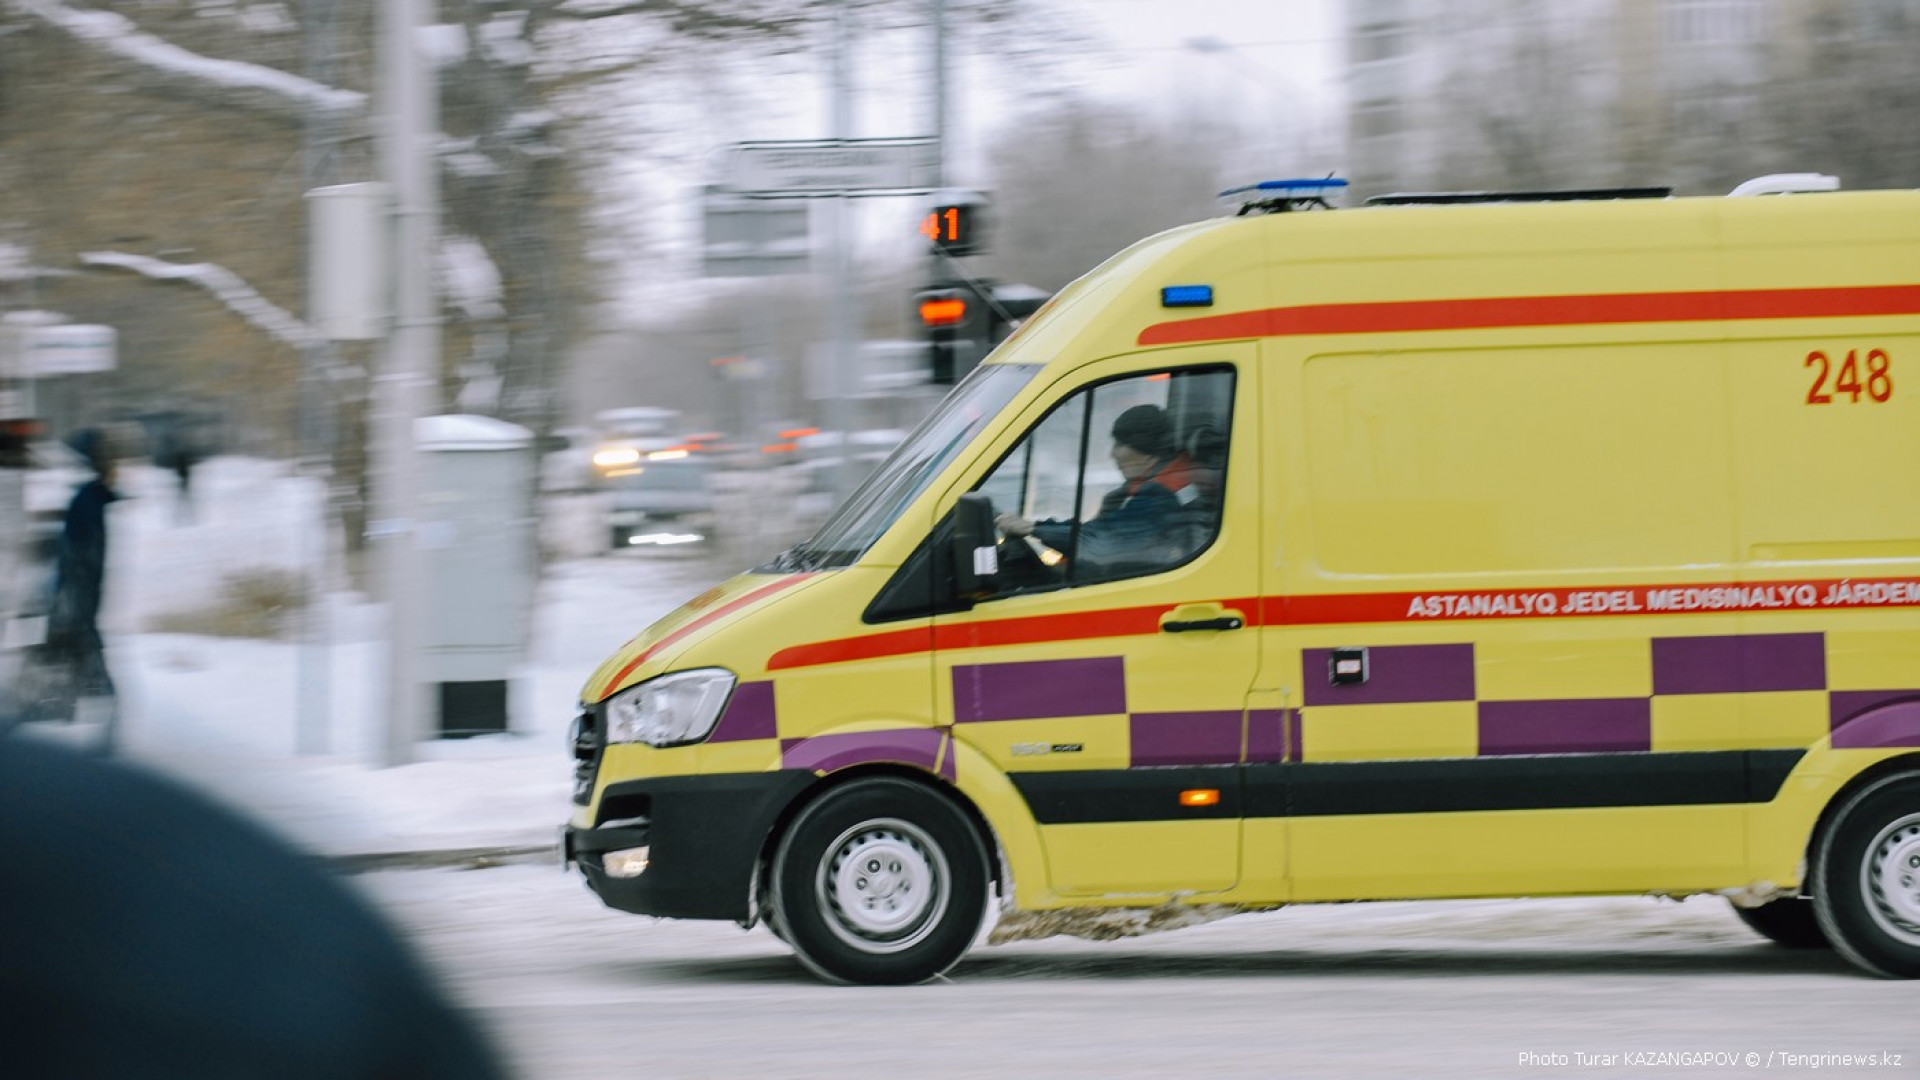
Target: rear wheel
[(882, 881), (1788, 922), (1867, 878)]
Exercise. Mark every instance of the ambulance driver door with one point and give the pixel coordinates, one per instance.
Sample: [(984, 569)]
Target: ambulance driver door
[(1107, 672)]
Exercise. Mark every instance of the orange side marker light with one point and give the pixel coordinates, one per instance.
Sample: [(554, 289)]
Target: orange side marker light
[(1200, 797)]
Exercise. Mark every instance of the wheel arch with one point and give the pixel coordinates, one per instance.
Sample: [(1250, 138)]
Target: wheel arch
[(1866, 778), (998, 872)]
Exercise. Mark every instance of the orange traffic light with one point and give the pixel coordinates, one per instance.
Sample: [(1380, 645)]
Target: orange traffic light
[(943, 310)]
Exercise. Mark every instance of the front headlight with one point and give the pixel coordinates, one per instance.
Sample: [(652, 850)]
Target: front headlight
[(671, 710), (612, 457)]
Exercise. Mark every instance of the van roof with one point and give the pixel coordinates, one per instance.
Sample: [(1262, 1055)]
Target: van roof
[(1352, 261)]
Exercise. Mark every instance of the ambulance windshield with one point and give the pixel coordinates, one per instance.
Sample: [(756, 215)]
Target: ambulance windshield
[(905, 474)]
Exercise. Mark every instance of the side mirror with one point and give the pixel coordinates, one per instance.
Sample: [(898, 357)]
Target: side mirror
[(976, 560)]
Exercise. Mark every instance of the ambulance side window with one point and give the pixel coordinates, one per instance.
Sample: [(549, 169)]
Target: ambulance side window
[(1120, 480)]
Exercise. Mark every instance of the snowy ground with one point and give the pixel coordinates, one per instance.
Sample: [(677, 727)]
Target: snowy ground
[(227, 714)]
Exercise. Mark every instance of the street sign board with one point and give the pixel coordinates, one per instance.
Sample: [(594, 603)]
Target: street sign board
[(812, 168), (69, 349), (752, 238)]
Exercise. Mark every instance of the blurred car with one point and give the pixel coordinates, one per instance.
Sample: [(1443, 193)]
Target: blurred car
[(621, 436), (636, 422), (662, 496)]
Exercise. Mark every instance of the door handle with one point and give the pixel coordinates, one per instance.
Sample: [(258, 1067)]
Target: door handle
[(1223, 622)]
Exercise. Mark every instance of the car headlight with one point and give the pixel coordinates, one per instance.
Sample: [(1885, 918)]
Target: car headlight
[(614, 456), (671, 710)]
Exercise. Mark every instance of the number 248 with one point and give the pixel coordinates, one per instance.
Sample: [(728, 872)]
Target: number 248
[(1878, 385)]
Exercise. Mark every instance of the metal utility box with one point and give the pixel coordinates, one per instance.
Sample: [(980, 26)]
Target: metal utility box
[(476, 544), (349, 290)]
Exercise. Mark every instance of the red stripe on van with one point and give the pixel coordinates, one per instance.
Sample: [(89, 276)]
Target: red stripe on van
[(720, 612), (1505, 311), (1034, 629), (865, 647)]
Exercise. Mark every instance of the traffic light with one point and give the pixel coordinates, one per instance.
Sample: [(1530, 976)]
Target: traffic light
[(954, 317), (964, 320)]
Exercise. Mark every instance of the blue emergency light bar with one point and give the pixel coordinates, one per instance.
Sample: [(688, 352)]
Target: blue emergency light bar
[(1318, 188), (1186, 296), (1279, 196)]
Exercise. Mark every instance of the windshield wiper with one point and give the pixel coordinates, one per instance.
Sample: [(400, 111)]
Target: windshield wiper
[(837, 559), (792, 560)]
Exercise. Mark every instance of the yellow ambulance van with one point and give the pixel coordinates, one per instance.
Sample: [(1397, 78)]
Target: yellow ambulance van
[(1452, 546)]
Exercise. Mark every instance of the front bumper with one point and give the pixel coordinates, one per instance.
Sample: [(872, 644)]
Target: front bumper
[(705, 835)]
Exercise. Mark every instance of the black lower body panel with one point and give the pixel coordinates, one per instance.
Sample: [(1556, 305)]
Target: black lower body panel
[(704, 835)]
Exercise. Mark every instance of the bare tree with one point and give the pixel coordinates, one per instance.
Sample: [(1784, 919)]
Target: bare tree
[(1542, 100), (1527, 107), (1845, 100), (1079, 181), (174, 132)]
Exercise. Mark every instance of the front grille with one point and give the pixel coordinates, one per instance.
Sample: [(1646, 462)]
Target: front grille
[(588, 739)]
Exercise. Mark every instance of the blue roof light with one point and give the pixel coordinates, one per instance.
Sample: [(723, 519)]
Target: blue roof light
[(1280, 196), (1317, 187), (1187, 296)]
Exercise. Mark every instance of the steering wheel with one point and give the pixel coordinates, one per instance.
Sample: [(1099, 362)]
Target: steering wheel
[(1021, 564)]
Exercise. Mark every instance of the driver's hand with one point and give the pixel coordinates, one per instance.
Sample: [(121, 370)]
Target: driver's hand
[(1013, 524)]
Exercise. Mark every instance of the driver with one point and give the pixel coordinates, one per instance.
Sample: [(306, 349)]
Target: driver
[(1137, 522)]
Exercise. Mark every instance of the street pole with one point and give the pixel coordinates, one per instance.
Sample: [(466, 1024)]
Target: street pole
[(939, 19), (413, 354), (937, 270), (313, 699), (844, 317)]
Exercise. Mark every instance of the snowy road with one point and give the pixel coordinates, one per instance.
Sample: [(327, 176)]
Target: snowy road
[(1460, 989)]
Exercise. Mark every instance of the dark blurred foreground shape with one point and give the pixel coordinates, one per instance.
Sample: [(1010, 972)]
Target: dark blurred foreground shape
[(146, 932)]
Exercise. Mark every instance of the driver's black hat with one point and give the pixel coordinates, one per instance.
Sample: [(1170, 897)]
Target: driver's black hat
[(1146, 429)]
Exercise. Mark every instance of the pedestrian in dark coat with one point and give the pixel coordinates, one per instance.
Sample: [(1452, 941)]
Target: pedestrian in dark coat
[(80, 567), (178, 450)]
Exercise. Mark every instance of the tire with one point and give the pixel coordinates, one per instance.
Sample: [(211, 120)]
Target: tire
[(1789, 922), (882, 881), (1867, 878), (617, 538)]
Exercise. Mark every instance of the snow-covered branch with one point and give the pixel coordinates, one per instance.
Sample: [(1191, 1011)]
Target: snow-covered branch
[(224, 284), (690, 16), (116, 34)]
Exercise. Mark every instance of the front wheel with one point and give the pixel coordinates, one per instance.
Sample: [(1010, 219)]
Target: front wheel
[(882, 881), (1867, 878), (1788, 922)]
